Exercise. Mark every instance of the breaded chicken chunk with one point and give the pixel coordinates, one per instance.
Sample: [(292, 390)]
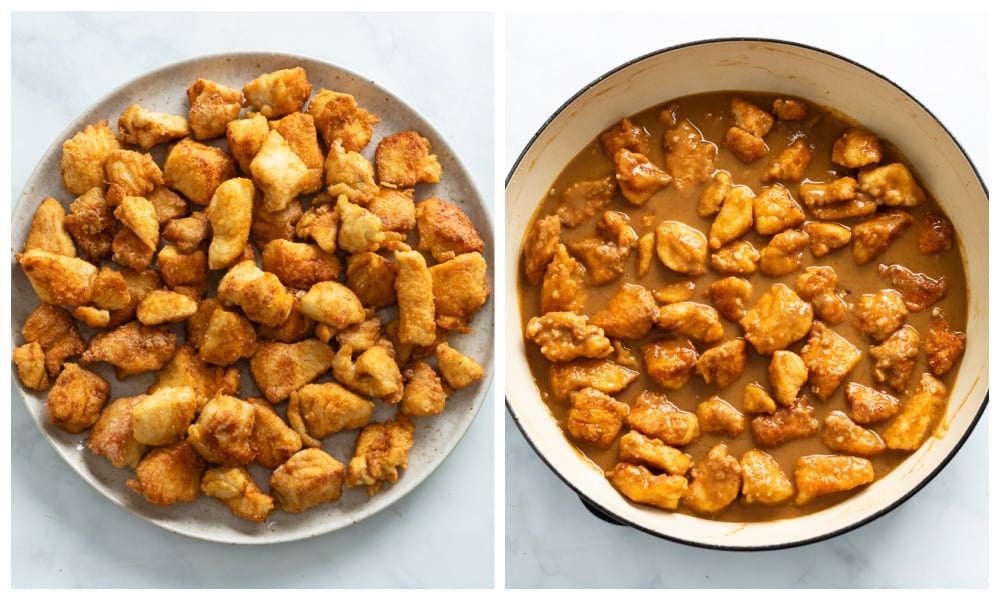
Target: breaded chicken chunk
[(138, 214), (278, 93), (785, 424), (639, 484), (826, 237), (670, 362), (715, 415), (259, 294), (75, 401), (919, 416), (92, 225), (382, 450), (895, 358), (563, 284), (879, 314), (564, 336), (162, 417), (374, 372), (829, 357), (299, 265), (29, 360), (868, 405), (820, 474), (334, 304), (235, 488), (187, 369), (317, 410), (777, 319), (715, 194), (756, 399), (372, 278), (350, 174), (415, 297), (919, 291), (278, 368), (818, 285), (715, 481), (601, 374), (629, 314), (936, 234), (188, 233), (789, 109), (653, 415), (774, 210), (395, 208), (244, 138), (763, 479), (58, 279), (892, 185), (856, 148), (145, 128), (729, 296), (165, 306), (132, 348), (445, 230), (625, 135), (783, 254), (299, 130), (584, 199), (737, 258), (130, 173), (111, 435), (694, 320), (873, 236), (639, 179), (460, 291), (745, 145), (681, 248), (424, 393), (309, 478), (211, 107), (735, 217), (47, 230), (169, 474), (604, 255), (595, 417), (942, 344), (457, 368), (639, 449), (228, 337), (271, 440), (359, 229), (278, 172), (230, 213), (788, 373), (222, 432), (53, 328), (791, 164), (404, 159), (723, 364), (83, 155), (841, 434), (194, 170), (690, 158), (338, 116)]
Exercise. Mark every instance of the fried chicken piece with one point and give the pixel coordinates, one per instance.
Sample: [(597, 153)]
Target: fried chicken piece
[(167, 204), (690, 158), (230, 213), (130, 173), (359, 230), (788, 373), (723, 364), (600, 374), (460, 291), (58, 279), (791, 164), (236, 489), (856, 148), (381, 451), (895, 358), (778, 319), (47, 230), (818, 285), (757, 400), (629, 314), (584, 199), (653, 415), (785, 424), (111, 435), (868, 405), (817, 195), (194, 170), (415, 297), (826, 237), (540, 247), (920, 414), (715, 194), (128, 250), (638, 178), (670, 362), (245, 137), (715, 415), (936, 233), (349, 174), (729, 295), (83, 155), (872, 237), (919, 291), (334, 304), (164, 306), (91, 225), (110, 290), (829, 357), (278, 93), (162, 417), (338, 116), (299, 265), (879, 314), (789, 109), (259, 294), (222, 432), (638, 449), (278, 172), (458, 370), (749, 117), (774, 210), (188, 233), (737, 258), (715, 481), (132, 348), (424, 394), (139, 284), (735, 217), (372, 278), (145, 128), (29, 360), (92, 316), (681, 248), (746, 146), (271, 439), (169, 474), (595, 417), (211, 107), (564, 336), (763, 479), (187, 369), (445, 230), (299, 130), (942, 344), (841, 434), (317, 410), (820, 474), (53, 329), (404, 159), (639, 484), (892, 185), (395, 208), (228, 337), (278, 368), (783, 254), (309, 478), (625, 135), (75, 401), (373, 373)]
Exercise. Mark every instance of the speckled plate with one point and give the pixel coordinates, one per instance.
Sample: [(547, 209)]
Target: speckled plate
[(435, 437)]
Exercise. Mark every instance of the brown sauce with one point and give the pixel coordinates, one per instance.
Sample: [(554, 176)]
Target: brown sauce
[(710, 113)]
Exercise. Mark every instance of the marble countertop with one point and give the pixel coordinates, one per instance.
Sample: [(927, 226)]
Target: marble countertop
[(65, 534), (939, 538)]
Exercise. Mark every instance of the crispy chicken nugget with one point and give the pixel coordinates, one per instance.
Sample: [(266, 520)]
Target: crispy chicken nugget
[(58, 279), (458, 369), (423, 394), (53, 328), (187, 369), (222, 433), (130, 173), (372, 277), (132, 348), (309, 478), (350, 174), (403, 159), (445, 230), (415, 296), (381, 451), (338, 116), (29, 359), (334, 304), (278, 172), (279, 369), (194, 170), (260, 294), (299, 265), (48, 229), (76, 398), (212, 107), (460, 290), (145, 128), (641, 485), (111, 436), (245, 137), (395, 208), (82, 164), (278, 93), (169, 474), (165, 306), (317, 410), (92, 225), (299, 130), (272, 440), (234, 487), (374, 372), (162, 417), (186, 273), (229, 337)]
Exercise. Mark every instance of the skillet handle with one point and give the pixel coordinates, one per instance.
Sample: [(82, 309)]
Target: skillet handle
[(600, 513)]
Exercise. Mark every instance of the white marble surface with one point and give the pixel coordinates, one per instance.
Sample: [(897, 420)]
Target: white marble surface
[(63, 533), (939, 538)]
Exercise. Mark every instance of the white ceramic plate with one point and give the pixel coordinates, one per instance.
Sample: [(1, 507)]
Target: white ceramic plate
[(783, 68), (435, 437)]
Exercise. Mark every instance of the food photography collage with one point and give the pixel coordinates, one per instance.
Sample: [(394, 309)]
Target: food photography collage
[(498, 299)]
